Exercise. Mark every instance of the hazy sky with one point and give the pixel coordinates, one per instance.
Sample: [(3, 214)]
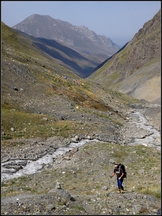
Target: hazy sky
[(117, 20)]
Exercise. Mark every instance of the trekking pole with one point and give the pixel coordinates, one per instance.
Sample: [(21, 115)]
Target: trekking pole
[(126, 182), (109, 184), (109, 187)]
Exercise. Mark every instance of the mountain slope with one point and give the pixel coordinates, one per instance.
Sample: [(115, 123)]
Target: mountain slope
[(33, 82), (79, 38), (79, 63), (136, 68)]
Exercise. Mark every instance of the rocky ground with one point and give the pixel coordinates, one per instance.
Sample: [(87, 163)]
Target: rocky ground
[(83, 176)]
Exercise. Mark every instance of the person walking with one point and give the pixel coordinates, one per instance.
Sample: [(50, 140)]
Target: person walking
[(120, 176)]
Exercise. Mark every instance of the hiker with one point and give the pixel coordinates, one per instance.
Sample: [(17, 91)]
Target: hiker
[(120, 176)]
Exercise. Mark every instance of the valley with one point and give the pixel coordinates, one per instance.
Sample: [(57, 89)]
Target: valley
[(63, 121)]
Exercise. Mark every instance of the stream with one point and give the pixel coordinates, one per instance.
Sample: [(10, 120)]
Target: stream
[(17, 167), (20, 167), (149, 137)]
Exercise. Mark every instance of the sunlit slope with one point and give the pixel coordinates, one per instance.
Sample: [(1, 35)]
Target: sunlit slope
[(136, 69)]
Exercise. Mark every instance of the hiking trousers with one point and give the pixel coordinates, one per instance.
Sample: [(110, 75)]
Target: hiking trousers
[(119, 183)]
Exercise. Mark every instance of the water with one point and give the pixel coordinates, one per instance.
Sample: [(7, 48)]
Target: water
[(8, 170), (11, 169), (152, 139)]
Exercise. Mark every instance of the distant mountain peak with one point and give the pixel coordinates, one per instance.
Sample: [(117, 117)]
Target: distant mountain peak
[(79, 38)]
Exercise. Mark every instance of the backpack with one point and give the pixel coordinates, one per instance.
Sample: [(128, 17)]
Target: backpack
[(121, 166)]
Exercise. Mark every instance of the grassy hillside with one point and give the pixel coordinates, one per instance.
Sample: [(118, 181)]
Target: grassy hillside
[(34, 83), (136, 68)]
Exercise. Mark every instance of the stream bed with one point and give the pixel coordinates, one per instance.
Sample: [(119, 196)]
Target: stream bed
[(20, 167), (145, 134), (137, 131)]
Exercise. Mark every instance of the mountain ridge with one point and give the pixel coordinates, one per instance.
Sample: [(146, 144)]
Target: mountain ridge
[(79, 38), (81, 64)]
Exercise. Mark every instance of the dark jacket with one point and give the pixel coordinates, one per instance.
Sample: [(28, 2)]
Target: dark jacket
[(118, 171)]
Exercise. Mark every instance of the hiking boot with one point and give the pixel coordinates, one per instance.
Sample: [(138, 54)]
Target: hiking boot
[(122, 191), (119, 191)]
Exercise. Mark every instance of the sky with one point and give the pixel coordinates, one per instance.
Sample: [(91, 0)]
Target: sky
[(117, 20)]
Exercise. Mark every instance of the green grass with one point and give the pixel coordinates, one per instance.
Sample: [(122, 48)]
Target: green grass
[(112, 78), (151, 190), (29, 125)]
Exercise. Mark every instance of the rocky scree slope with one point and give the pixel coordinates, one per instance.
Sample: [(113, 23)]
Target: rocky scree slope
[(136, 69)]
